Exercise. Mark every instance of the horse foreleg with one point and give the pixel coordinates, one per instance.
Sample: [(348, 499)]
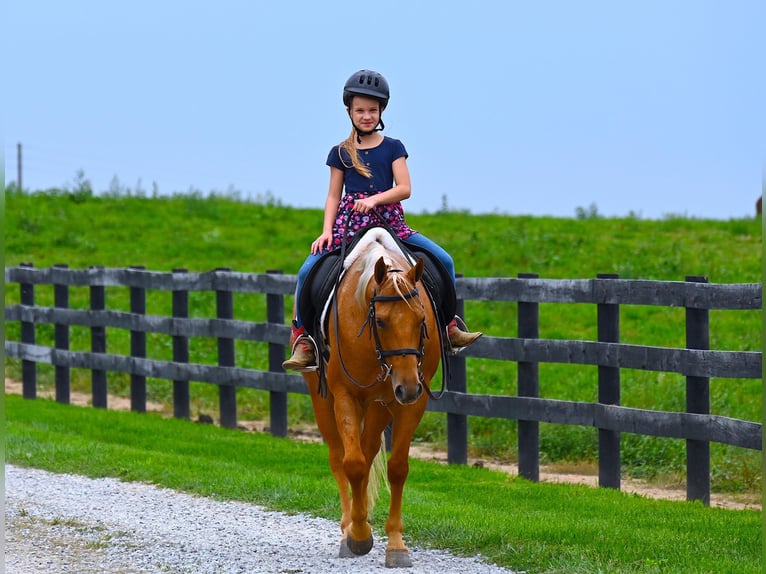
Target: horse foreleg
[(336, 466), (406, 420), (398, 469), (348, 417), (324, 414)]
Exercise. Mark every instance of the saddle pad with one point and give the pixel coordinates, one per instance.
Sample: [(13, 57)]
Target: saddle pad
[(319, 284)]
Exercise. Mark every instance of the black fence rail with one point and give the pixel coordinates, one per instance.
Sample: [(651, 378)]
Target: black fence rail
[(696, 362)]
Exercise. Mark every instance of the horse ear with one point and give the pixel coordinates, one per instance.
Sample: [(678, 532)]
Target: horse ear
[(380, 270), (417, 271)]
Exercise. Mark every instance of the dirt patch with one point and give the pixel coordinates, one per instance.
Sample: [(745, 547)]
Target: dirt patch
[(82, 399), (589, 477), (578, 474)]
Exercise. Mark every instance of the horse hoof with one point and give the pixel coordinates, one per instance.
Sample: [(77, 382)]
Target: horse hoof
[(359, 547), (398, 559)]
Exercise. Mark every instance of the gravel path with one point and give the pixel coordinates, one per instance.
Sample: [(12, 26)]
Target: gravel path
[(58, 523)]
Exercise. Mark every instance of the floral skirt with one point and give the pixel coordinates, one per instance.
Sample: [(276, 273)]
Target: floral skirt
[(392, 215)]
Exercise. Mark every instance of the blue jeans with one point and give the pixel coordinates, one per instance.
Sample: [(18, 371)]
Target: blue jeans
[(417, 239)]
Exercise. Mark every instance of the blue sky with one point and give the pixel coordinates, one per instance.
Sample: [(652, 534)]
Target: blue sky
[(651, 108)]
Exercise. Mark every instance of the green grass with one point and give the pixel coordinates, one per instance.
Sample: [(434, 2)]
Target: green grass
[(538, 528), (203, 233)]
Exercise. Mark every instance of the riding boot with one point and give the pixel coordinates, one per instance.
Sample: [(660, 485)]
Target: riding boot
[(459, 338), (303, 358)]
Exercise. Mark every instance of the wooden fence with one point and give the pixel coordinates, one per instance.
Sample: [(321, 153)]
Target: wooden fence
[(696, 362)]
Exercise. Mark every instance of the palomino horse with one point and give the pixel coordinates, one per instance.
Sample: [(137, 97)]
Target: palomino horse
[(384, 348)]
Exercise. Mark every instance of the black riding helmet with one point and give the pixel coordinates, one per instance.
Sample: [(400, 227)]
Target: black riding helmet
[(366, 83), (370, 84)]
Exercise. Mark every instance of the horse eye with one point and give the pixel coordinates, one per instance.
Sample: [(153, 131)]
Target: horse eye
[(380, 323)]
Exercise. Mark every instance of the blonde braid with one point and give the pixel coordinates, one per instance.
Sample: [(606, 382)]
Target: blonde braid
[(350, 148)]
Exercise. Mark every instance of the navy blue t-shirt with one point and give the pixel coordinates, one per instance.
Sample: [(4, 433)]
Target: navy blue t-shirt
[(378, 159)]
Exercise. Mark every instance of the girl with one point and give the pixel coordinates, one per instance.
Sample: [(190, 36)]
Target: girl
[(372, 169)]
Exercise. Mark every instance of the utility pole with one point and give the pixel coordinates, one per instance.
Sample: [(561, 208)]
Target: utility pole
[(18, 164)]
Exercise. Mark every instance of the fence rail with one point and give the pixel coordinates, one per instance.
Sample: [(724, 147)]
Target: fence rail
[(696, 362)]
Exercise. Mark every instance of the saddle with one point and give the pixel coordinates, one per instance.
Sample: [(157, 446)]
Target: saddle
[(324, 276)]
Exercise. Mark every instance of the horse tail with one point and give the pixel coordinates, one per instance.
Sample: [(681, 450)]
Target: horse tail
[(378, 476)]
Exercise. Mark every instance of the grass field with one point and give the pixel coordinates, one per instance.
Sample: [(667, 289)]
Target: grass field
[(531, 527), (202, 233)]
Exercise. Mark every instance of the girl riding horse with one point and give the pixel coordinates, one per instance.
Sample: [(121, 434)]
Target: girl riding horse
[(372, 169)]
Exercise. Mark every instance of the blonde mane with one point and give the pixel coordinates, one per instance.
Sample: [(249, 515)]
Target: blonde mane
[(375, 244)]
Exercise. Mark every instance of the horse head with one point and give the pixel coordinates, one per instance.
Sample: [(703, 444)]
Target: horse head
[(397, 319)]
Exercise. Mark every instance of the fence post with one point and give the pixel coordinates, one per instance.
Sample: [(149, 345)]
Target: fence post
[(698, 401), (138, 348), (28, 368), (180, 302), (61, 339), (275, 313), (227, 394), (529, 386), (98, 345), (609, 459), (457, 425)]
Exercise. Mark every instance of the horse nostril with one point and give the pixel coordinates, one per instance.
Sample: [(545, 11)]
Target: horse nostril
[(420, 390), (399, 392)]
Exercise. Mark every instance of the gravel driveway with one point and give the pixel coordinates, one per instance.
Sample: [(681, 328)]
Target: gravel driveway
[(70, 524)]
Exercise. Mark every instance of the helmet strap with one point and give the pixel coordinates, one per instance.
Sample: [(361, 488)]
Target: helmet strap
[(359, 133)]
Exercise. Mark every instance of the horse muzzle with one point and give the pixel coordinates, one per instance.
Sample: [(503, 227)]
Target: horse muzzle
[(407, 391)]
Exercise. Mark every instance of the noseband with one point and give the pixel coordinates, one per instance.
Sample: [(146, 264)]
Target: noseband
[(383, 354)]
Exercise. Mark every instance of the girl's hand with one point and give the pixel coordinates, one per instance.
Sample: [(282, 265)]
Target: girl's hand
[(365, 205), (321, 243)]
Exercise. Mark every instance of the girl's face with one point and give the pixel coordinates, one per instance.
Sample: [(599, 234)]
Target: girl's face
[(365, 113)]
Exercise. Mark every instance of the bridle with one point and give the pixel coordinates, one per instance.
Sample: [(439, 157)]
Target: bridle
[(381, 353)]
